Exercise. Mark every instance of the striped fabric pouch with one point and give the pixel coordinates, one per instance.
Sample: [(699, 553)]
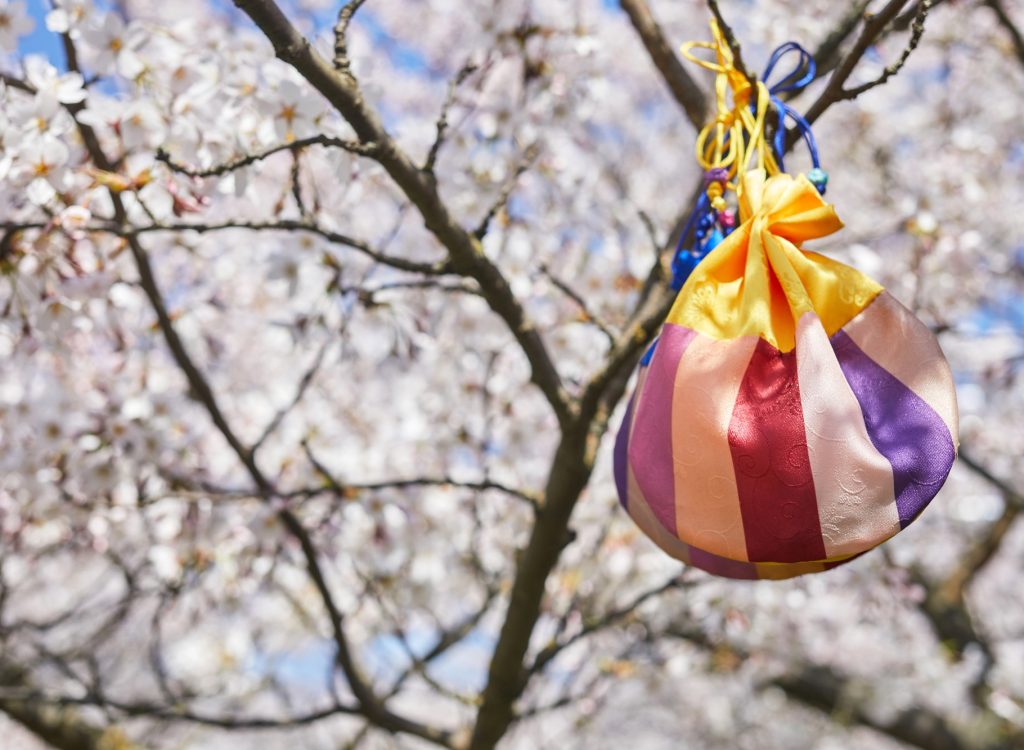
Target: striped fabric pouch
[(792, 414)]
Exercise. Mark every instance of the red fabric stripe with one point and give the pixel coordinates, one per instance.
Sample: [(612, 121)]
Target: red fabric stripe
[(769, 454)]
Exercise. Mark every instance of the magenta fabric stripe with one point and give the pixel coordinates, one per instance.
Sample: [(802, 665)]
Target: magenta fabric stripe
[(773, 470), (650, 445)]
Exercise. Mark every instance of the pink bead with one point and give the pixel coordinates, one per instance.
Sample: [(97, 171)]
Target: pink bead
[(727, 219)]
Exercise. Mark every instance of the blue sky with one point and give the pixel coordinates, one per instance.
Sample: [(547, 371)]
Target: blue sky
[(41, 41)]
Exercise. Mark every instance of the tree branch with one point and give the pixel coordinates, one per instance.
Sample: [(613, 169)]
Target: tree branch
[(506, 192), (60, 727), (371, 706), (304, 382), (916, 32), (834, 91), (684, 88), (606, 620), (464, 249), (824, 690), (439, 268), (368, 294), (1016, 38), (827, 53), (17, 83), (946, 605), (734, 45)]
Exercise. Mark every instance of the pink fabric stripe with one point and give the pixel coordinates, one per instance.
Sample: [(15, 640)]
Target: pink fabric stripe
[(707, 502), (894, 338), (853, 482), (650, 444)]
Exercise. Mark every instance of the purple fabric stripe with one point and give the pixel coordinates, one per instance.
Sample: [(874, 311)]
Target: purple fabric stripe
[(902, 427), (620, 455), (650, 445), (722, 566)]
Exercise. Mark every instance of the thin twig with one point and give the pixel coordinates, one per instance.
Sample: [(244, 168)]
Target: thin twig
[(439, 268), (606, 620), (576, 297), (304, 382), (292, 225), (17, 83), (916, 32), (296, 185), (442, 121), (506, 192), (363, 149), (903, 21), (873, 28), (368, 295), (348, 490), (341, 60)]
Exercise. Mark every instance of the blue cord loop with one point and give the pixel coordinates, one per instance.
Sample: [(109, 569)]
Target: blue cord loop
[(800, 75), (707, 227)]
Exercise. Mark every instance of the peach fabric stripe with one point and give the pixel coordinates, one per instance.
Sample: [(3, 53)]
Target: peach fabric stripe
[(707, 501), (893, 337), (853, 482)]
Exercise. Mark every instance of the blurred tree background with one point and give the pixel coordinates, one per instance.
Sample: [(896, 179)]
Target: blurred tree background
[(314, 321)]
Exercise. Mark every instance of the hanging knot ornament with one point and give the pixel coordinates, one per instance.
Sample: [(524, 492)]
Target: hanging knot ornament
[(792, 414)]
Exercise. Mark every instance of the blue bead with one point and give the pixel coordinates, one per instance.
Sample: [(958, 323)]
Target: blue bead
[(713, 239), (818, 178), (682, 266)]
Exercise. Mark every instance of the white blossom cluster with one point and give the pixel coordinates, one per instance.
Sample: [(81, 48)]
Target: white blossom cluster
[(141, 566)]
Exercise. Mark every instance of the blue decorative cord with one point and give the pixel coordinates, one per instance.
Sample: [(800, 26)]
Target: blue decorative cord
[(799, 76)]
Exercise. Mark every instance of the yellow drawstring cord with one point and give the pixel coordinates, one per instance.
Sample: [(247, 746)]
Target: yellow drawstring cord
[(736, 135)]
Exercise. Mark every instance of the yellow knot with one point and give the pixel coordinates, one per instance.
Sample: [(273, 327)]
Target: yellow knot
[(759, 281), (786, 206)]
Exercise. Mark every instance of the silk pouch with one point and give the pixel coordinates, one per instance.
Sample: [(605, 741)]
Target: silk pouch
[(792, 414)]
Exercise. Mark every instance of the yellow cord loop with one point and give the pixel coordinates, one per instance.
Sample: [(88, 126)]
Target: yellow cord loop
[(735, 138)]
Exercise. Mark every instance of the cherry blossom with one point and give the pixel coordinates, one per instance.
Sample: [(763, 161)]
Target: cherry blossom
[(292, 111), (14, 22), (310, 374)]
